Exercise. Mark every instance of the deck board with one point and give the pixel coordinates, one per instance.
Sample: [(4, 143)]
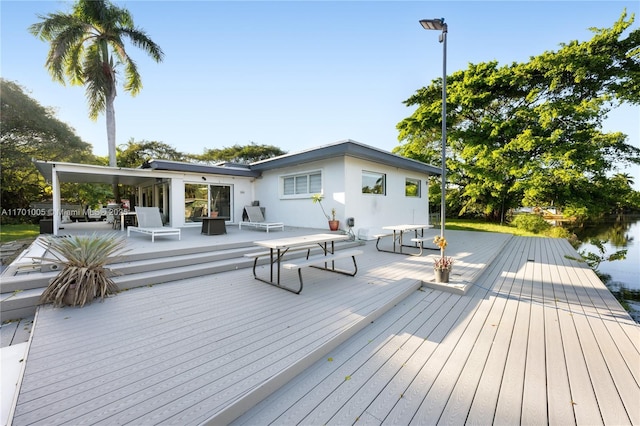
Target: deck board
[(510, 351), (537, 339)]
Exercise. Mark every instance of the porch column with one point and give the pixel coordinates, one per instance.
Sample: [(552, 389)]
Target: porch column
[(176, 203), (55, 192)]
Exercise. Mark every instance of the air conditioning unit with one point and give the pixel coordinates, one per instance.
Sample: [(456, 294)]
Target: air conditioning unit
[(50, 267)]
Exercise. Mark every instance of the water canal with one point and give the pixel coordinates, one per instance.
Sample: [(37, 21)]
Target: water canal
[(620, 233)]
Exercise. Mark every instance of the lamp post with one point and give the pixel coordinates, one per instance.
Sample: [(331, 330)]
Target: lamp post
[(439, 25)]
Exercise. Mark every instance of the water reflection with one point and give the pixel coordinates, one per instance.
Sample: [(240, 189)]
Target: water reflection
[(620, 233)]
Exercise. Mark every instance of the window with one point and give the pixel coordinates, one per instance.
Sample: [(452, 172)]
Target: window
[(412, 187), (374, 183), (302, 184)]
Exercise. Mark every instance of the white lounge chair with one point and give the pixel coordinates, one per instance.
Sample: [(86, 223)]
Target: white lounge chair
[(256, 220), (150, 222)]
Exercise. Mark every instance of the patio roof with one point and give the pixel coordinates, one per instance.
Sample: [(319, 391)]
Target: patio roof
[(89, 173), (235, 170)]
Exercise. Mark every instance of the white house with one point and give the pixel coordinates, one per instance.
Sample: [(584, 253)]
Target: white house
[(372, 186)]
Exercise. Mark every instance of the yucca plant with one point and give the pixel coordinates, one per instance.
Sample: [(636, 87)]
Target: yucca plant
[(84, 276)]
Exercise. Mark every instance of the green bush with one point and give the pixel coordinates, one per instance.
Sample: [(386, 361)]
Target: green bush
[(531, 223), (559, 232)]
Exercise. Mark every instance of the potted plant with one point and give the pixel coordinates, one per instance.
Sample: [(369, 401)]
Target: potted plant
[(214, 206), (84, 276), (334, 224), (443, 264)]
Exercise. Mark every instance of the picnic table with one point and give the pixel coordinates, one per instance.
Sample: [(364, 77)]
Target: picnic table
[(325, 260), (398, 236)]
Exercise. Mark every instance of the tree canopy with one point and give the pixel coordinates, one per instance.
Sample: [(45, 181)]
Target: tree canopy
[(241, 154), (134, 154), (530, 134), (30, 131)]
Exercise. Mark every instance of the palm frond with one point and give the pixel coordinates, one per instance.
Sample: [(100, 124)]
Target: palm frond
[(81, 45), (84, 276)]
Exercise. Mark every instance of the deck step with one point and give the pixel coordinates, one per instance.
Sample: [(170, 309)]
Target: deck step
[(275, 382), (20, 294)]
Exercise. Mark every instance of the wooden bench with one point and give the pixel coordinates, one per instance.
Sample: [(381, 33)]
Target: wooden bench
[(420, 241), (317, 261), (258, 254)]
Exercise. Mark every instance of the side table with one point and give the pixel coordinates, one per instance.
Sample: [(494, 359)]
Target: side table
[(213, 226)]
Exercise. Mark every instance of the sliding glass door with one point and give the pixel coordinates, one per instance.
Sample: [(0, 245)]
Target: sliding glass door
[(206, 200)]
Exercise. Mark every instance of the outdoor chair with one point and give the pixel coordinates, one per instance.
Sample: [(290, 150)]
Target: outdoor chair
[(150, 223), (256, 220)]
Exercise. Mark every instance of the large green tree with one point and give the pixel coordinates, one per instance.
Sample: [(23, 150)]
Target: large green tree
[(30, 131), (86, 46), (531, 133), (134, 154)]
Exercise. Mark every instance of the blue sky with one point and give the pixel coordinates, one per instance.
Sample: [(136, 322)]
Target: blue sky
[(297, 74)]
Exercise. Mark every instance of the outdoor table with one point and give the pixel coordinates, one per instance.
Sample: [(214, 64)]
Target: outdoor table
[(213, 225), (127, 218), (398, 238), (280, 246)]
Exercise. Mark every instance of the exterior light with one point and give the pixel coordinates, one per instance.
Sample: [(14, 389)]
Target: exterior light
[(439, 25)]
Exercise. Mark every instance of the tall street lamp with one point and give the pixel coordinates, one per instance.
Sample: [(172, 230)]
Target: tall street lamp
[(439, 25)]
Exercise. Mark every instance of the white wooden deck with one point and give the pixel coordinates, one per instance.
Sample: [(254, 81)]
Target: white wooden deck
[(538, 339)]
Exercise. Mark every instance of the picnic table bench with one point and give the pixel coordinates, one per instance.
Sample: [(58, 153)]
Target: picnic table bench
[(325, 260)]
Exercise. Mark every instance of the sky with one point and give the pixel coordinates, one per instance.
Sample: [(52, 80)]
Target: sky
[(297, 74)]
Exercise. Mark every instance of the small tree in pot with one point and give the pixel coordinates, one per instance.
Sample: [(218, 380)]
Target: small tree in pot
[(334, 224), (84, 276)]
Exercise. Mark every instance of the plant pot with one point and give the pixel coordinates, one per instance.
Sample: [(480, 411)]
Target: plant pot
[(334, 225), (214, 214), (442, 275)]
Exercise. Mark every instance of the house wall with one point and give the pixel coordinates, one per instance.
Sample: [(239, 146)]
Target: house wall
[(300, 210), (342, 189), (373, 211)]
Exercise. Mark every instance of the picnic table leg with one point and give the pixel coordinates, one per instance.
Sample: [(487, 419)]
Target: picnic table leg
[(279, 258)]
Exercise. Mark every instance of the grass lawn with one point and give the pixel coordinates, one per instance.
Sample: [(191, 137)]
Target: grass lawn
[(18, 232), (482, 226)]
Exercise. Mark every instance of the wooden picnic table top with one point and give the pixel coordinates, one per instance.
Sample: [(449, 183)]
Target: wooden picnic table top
[(288, 242), (406, 227)]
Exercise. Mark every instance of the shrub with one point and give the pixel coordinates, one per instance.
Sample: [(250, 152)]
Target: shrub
[(84, 276), (559, 232), (531, 223)]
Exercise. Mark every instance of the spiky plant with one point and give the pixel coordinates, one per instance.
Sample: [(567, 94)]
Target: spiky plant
[(84, 276)]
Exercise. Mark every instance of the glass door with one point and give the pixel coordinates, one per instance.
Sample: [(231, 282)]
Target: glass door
[(206, 200)]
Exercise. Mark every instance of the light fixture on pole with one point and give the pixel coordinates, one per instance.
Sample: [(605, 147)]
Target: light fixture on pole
[(439, 25)]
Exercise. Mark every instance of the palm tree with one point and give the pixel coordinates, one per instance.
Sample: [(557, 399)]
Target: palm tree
[(87, 46)]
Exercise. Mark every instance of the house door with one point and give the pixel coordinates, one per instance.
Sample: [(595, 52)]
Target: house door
[(202, 199)]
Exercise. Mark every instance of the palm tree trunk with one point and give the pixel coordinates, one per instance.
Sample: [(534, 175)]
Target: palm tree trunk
[(111, 129), (110, 114)]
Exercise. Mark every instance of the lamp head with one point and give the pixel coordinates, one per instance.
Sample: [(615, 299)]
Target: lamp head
[(434, 24)]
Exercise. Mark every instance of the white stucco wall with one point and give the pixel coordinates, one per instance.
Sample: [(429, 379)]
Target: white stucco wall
[(300, 210), (373, 211), (342, 188)]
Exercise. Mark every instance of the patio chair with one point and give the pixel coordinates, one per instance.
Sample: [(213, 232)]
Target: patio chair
[(150, 223), (256, 220)]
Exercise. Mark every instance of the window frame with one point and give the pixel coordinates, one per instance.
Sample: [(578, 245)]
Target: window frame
[(373, 174), (417, 183), (310, 189)]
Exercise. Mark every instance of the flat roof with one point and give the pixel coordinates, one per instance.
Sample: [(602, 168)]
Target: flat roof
[(348, 148)]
